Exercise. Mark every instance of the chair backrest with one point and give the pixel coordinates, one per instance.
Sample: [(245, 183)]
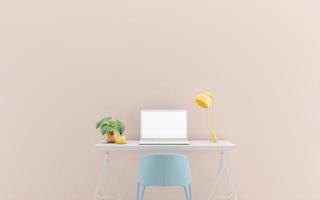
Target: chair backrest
[(164, 170)]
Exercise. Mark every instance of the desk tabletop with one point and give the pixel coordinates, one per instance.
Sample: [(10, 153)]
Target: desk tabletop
[(133, 145)]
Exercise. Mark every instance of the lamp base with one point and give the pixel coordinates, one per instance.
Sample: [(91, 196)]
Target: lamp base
[(213, 137)]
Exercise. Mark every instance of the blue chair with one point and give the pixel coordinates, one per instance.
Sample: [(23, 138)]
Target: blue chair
[(164, 170)]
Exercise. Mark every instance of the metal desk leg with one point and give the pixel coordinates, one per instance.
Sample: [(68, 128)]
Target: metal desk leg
[(106, 188), (224, 172)]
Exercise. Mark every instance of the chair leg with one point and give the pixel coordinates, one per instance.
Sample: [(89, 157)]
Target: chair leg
[(141, 190), (186, 191), (190, 192), (138, 191)]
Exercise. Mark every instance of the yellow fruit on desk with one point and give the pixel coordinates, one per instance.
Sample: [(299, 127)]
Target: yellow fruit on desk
[(121, 139)]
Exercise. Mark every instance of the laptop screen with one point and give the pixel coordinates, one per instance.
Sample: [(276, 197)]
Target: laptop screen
[(163, 124)]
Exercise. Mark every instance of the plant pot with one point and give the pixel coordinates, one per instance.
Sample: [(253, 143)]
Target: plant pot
[(111, 137), (121, 139)]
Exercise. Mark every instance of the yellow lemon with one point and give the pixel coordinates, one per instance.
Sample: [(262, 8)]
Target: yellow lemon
[(121, 139)]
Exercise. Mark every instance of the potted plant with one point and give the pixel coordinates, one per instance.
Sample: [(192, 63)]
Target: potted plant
[(120, 128), (107, 126)]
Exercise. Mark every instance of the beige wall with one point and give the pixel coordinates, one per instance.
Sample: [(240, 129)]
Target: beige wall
[(64, 64)]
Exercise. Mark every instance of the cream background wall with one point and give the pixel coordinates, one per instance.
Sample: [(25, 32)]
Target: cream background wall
[(65, 64)]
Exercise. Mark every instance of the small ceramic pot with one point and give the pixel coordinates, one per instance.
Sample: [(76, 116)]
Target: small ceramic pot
[(121, 139), (111, 137)]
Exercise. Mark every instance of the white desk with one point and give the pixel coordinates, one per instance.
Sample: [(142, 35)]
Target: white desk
[(195, 145)]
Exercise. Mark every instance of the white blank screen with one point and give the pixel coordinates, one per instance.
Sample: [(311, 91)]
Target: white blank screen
[(164, 124)]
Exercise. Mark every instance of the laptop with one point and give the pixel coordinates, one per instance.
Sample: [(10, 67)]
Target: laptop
[(163, 127)]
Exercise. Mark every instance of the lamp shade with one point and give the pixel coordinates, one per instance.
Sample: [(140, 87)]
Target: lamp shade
[(204, 100)]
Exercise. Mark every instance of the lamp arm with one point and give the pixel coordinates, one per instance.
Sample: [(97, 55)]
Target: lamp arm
[(212, 116), (213, 137)]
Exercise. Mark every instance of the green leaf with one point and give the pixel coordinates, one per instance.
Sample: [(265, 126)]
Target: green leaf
[(106, 128), (102, 122), (120, 127), (113, 123)]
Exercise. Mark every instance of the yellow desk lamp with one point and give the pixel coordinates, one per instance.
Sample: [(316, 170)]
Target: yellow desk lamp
[(205, 100)]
